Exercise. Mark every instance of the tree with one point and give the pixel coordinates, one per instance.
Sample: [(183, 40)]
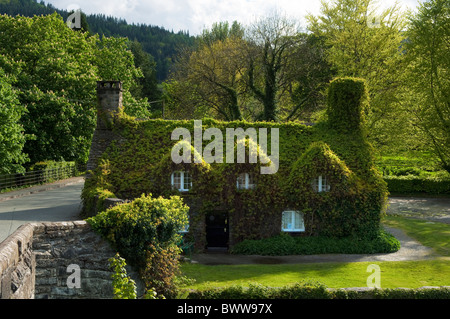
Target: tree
[(271, 41), (428, 75), (310, 74), (115, 61), (12, 137), (208, 80), (362, 43), (147, 85), (57, 82)]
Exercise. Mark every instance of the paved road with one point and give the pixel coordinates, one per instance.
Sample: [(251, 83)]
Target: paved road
[(54, 202)]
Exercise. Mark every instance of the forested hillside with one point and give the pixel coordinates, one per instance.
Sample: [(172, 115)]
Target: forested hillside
[(161, 44)]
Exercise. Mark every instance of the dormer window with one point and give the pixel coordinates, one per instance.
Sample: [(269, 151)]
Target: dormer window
[(320, 184), (245, 181), (181, 181)]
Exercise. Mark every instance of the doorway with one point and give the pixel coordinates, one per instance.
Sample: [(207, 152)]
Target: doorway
[(217, 230)]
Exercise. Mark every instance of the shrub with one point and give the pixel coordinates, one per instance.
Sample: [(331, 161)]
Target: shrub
[(145, 233), (50, 171), (123, 286), (316, 290), (437, 184), (284, 244)]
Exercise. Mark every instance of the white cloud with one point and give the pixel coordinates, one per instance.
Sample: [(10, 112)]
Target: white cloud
[(195, 15)]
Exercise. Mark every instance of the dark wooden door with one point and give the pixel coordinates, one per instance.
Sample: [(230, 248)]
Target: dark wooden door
[(217, 229)]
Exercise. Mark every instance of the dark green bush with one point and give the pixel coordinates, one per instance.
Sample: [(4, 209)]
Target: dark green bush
[(285, 244), (315, 290), (413, 184)]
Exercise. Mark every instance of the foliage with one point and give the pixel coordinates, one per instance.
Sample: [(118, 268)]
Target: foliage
[(347, 103), (316, 290), (428, 75), (367, 43), (60, 116), (413, 184), (160, 43), (354, 205), (266, 71), (270, 50), (12, 138), (430, 234), (208, 81), (123, 286), (49, 171), (145, 232), (284, 244)]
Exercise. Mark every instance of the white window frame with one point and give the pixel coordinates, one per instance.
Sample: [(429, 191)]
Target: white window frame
[(322, 184), (248, 181), (182, 177), (290, 227)]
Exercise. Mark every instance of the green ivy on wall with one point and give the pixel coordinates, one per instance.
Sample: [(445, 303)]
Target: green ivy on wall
[(336, 148)]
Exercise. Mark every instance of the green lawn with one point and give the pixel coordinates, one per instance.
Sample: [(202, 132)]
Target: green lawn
[(406, 274)]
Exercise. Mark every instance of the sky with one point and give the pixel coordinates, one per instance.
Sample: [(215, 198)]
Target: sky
[(196, 15)]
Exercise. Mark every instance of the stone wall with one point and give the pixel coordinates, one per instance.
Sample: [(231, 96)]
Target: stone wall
[(17, 265), (56, 261)]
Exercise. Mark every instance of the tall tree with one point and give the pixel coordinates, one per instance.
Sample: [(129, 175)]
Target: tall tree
[(363, 42), (57, 82), (209, 78), (12, 137), (271, 42), (428, 75)]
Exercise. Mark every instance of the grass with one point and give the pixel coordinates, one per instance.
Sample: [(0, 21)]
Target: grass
[(394, 274), (431, 234), (406, 274)]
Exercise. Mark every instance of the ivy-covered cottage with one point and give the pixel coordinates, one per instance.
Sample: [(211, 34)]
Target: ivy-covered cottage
[(243, 180)]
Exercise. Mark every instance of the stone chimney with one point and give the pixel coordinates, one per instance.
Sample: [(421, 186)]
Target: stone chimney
[(109, 103)]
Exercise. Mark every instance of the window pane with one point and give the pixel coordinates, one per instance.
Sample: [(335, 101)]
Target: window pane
[(240, 183), (176, 180), (187, 180), (299, 221), (325, 185), (250, 182), (286, 220)]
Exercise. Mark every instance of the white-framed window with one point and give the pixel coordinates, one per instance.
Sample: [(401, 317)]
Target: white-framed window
[(292, 221), (245, 181), (182, 181), (320, 184)]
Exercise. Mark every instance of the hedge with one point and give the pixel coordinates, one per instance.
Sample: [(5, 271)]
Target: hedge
[(288, 245), (317, 291), (414, 184)]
